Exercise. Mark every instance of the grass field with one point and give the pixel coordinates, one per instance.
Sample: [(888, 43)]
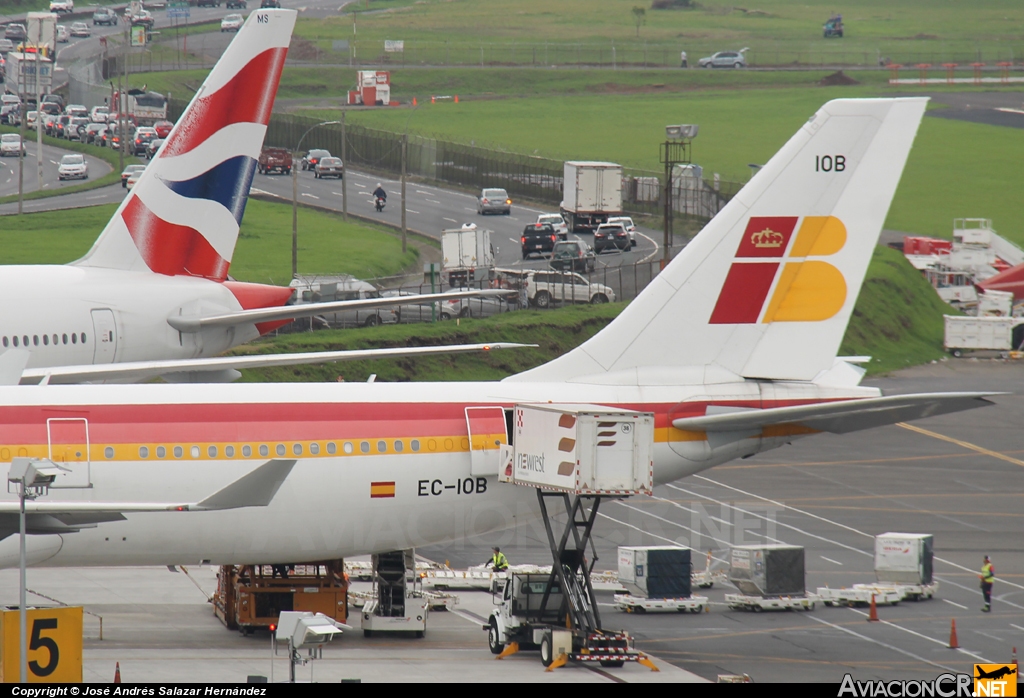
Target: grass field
[(776, 31), (895, 335), (326, 243)]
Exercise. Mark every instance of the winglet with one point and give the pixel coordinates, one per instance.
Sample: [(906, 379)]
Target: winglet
[(12, 365), (255, 489)]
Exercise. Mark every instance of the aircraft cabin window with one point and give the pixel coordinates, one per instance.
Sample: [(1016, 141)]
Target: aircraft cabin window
[(297, 449), (195, 451), (161, 452), (364, 446), (46, 340), (348, 447), (264, 451), (108, 452), (247, 450), (5, 341), (65, 339), (55, 342), (15, 341), (178, 451), (83, 338), (332, 448), (212, 451), (314, 448), (143, 452), (74, 338), (229, 451), (281, 450), (399, 446), (24, 340), (415, 444), (382, 446), (35, 340)]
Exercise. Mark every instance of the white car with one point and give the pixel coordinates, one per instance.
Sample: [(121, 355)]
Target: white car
[(556, 221), (545, 288), (231, 23), (81, 29), (133, 179), (99, 115), (73, 166), (63, 35), (627, 223), (10, 144), (30, 120)]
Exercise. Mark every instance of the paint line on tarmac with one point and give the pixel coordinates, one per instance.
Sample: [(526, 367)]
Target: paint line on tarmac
[(963, 444), (828, 559), (954, 603), (980, 659)]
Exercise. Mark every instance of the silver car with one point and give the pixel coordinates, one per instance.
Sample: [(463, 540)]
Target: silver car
[(724, 59), (494, 201)]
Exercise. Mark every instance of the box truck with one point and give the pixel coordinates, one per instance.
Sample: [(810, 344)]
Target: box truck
[(591, 193)]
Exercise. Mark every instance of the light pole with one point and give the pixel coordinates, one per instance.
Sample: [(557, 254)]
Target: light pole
[(295, 196), (674, 151), (33, 479)]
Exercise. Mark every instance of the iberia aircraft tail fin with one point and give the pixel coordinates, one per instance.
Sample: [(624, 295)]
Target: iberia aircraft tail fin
[(767, 287), (182, 217)]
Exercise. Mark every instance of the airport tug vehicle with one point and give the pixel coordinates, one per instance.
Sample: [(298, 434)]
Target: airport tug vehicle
[(575, 455)]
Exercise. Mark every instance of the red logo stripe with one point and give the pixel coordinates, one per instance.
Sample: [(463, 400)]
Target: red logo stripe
[(167, 248), (247, 98), (743, 293), (766, 236)]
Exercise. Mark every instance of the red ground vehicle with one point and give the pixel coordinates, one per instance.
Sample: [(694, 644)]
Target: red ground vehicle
[(275, 160), (163, 128)]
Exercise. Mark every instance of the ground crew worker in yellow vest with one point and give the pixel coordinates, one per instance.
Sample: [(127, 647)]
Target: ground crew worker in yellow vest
[(987, 576), (499, 563)]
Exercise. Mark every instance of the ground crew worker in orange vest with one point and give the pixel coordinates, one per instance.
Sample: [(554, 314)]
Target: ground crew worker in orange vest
[(987, 576)]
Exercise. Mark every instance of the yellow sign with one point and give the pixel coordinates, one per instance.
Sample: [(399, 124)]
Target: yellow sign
[(54, 645), (995, 680)]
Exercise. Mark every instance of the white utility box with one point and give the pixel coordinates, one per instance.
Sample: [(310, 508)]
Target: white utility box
[(972, 333), (584, 449), (904, 558)]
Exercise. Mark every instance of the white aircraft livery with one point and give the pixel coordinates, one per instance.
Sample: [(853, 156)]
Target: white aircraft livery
[(732, 348)]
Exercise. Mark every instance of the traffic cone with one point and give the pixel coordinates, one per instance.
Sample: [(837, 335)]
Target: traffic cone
[(414, 101), (456, 99), (433, 99), (117, 672), (873, 615), (954, 644)]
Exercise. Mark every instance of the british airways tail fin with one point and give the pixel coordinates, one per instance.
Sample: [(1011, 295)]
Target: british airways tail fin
[(767, 287), (182, 216)]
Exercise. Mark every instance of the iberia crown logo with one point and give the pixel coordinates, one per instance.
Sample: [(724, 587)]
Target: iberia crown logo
[(767, 238), (777, 276)]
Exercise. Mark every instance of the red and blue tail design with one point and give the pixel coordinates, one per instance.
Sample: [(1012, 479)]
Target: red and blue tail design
[(183, 215)]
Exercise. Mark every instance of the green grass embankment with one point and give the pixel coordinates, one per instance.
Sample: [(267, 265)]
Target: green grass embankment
[(327, 245), (897, 320)]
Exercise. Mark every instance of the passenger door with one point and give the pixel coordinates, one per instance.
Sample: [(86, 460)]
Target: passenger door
[(487, 431), (104, 335)]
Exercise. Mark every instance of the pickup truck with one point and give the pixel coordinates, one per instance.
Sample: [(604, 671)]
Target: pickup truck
[(275, 160), (62, 6)]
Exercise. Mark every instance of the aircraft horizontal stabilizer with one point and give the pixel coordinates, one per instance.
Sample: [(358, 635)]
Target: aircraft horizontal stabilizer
[(291, 312), (839, 417), (142, 370)]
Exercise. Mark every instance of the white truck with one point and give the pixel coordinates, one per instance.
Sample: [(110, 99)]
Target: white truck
[(1002, 334), (62, 6), (591, 193), (467, 254)]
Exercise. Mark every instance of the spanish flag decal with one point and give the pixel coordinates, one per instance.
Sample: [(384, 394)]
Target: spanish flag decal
[(382, 489)]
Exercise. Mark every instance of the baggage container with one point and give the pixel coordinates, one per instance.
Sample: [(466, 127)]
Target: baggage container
[(655, 571), (768, 570), (904, 557), (583, 449)]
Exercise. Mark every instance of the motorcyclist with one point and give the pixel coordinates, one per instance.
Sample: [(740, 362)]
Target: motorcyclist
[(379, 192)]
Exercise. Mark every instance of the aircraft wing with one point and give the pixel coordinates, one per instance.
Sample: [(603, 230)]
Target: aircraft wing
[(291, 312), (142, 370), (254, 489), (839, 417)]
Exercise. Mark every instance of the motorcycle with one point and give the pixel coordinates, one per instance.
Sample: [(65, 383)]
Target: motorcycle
[(379, 203)]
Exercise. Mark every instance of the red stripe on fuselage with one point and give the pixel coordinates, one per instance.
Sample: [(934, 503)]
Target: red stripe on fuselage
[(204, 423), (247, 98)]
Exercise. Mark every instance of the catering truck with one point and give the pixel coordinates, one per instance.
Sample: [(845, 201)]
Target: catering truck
[(591, 193), (467, 255)]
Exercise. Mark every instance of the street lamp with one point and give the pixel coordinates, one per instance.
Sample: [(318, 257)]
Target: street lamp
[(295, 197), (33, 478), (674, 151)]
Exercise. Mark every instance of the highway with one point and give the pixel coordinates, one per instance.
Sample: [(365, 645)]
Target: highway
[(51, 158)]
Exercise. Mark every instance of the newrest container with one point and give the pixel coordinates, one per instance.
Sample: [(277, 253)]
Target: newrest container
[(656, 572), (583, 449), (768, 570), (905, 558)]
